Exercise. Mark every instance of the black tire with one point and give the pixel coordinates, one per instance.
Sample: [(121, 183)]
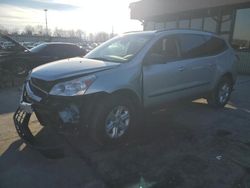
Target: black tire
[(97, 128), (214, 98)]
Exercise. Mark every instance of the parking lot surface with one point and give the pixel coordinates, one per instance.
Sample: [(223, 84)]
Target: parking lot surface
[(184, 145)]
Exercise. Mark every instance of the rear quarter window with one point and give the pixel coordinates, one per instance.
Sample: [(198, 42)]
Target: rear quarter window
[(215, 45)]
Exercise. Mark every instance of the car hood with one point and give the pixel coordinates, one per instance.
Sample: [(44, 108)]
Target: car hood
[(8, 38), (9, 56), (70, 68), (5, 53)]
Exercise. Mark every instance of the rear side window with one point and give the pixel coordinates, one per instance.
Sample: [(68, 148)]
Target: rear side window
[(74, 51), (56, 50), (193, 46), (61, 50), (66, 50), (47, 50)]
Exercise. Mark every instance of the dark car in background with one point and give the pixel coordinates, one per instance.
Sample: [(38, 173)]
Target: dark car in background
[(45, 53), (18, 60)]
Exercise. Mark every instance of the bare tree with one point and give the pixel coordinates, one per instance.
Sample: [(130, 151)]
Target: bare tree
[(15, 31), (101, 37), (39, 30), (90, 37), (66, 33), (58, 32), (80, 34), (71, 33), (4, 30), (28, 30)]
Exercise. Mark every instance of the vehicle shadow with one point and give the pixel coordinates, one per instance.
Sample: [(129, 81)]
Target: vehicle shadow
[(174, 147), (23, 166)]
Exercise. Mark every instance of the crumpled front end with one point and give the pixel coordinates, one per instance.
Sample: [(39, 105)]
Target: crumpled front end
[(62, 113)]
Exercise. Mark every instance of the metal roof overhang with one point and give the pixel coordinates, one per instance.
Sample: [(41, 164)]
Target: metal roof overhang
[(144, 9)]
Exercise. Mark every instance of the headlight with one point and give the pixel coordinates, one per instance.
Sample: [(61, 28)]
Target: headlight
[(73, 87)]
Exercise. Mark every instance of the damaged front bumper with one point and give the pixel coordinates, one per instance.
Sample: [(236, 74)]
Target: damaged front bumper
[(22, 117), (21, 121), (65, 114)]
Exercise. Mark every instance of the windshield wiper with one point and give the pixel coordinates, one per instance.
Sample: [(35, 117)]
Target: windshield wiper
[(100, 58), (104, 59)]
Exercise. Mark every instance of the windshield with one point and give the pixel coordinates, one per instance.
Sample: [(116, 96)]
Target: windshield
[(120, 49), (38, 48)]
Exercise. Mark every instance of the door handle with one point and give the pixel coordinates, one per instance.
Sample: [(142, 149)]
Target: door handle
[(181, 68)]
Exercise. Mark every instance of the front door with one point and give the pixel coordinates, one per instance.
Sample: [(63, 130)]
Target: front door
[(163, 72)]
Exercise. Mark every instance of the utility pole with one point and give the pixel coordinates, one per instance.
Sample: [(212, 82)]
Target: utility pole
[(47, 33)]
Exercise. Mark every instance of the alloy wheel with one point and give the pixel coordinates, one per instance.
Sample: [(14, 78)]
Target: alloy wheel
[(117, 122), (224, 93)]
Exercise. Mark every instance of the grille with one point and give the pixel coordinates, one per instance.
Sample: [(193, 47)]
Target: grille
[(37, 91), (41, 84)]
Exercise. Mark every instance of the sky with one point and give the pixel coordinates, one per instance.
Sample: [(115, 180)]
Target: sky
[(87, 15)]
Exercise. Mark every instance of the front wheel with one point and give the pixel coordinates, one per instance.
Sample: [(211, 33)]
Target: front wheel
[(221, 94), (113, 120)]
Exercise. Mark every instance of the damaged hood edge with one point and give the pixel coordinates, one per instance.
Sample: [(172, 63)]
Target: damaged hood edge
[(69, 68)]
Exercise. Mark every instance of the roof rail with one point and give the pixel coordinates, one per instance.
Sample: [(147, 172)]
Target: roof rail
[(183, 29), (132, 32)]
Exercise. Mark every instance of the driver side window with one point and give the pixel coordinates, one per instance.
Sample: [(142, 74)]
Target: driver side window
[(163, 51)]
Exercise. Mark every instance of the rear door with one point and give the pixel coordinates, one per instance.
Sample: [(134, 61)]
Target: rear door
[(199, 65), (178, 66)]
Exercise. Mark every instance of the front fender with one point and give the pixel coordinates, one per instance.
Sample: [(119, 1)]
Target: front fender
[(111, 81)]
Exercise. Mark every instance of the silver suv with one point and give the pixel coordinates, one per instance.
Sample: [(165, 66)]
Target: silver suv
[(107, 89)]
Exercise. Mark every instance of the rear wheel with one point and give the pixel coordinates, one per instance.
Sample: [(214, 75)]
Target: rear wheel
[(221, 94), (113, 120)]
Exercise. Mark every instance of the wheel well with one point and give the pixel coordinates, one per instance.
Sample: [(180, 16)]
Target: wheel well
[(229, 76), (95, 99), (129, 94)]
